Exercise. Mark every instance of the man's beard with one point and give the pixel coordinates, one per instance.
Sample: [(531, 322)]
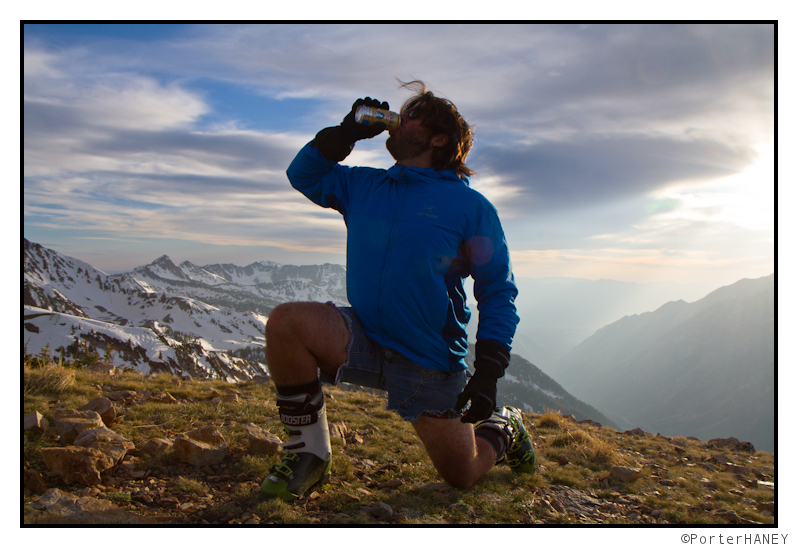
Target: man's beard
[(405, 146)]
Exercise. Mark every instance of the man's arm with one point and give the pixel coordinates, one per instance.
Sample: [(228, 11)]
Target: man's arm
[(495, 291), (314, 171)]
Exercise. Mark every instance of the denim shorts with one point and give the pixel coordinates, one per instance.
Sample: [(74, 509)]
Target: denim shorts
[(412, 390)]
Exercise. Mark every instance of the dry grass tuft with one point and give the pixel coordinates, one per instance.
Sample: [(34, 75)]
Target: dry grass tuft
[(582, 443), (551, 419), (50, 379)]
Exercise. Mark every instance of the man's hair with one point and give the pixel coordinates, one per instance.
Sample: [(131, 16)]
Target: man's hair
[(439, 115)]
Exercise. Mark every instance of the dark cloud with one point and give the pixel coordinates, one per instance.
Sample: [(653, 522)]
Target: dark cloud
[(194, 183), (615, 74), (563, 174), (41, 118)]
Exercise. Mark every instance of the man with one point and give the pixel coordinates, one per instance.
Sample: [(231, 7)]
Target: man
[(415, 231)]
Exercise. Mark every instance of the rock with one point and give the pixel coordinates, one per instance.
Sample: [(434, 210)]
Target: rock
[(759, 475), (69, 423), (635, 432), (103, 407), (729, 515), (394, 483), (225, 398), (562, 459), (204, 446), (212, 392), (58, 507), (262, 442), (157, 446), (565, 500), (378, 510), (767, 507), (121, 395), (720, 458), (354, 437), (105, 440), (338, 431), (731, 443), (590, 422), (735, 469), (667, 483), (35, 423), (162, 397), (34, 482), (77, 464), (103, 368), (624, 473), (708, 483)]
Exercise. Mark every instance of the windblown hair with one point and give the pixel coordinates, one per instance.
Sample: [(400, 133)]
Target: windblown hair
[(441, 116)]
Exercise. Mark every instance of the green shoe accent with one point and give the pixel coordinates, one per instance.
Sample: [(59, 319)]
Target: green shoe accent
[(520, 455), (292, 478)]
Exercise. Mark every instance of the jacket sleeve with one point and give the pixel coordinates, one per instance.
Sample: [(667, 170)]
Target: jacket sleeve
[(322, 181), (494, 285)]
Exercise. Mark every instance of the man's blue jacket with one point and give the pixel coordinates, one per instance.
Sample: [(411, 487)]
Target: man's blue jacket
[(414, 234)]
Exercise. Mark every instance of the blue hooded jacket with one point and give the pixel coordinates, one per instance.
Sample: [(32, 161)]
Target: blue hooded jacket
[(413, 235)]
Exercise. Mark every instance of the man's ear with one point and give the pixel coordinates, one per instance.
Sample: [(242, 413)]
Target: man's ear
[(440, 140)]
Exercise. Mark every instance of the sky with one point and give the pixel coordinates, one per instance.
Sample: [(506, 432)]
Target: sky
[(638, 153)]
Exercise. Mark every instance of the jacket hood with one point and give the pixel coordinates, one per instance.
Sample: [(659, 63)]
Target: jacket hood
[(429, 175)]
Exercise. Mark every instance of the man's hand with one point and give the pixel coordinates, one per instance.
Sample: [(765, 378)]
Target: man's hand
[(335, 143), (360, 131), (481, 390), (491, 360)]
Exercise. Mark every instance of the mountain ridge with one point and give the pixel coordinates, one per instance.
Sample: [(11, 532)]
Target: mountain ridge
[(703, 369)]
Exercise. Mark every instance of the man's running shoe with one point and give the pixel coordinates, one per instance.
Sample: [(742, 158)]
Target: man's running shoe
[(509, 437), (520, 455), (292, 478)]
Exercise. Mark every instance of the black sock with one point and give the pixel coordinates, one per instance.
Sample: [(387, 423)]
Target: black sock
[(304, 388), (497, 439)]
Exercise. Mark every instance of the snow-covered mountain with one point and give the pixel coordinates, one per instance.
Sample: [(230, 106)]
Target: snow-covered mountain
[(161, 316)]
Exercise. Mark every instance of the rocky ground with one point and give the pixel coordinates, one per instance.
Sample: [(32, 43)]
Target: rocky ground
[(82, 467)]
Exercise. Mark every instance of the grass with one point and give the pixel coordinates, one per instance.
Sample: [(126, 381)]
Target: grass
[(48, 379), (390, 451), (190, 486)]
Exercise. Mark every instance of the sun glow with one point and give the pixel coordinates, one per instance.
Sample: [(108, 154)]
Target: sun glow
[(746, 199)]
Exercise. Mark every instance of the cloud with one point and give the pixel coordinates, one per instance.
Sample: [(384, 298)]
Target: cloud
[(581, 129), (593, 170)]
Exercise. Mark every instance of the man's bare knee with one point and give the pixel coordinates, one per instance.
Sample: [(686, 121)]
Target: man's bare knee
[(281, 322), (307, 335)]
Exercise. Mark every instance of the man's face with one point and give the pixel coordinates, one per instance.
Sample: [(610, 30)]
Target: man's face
[(409, 140)]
